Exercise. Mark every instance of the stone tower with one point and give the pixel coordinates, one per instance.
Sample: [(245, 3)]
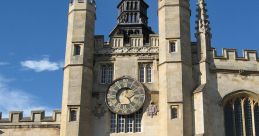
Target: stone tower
[(78, 70), (175, 68)]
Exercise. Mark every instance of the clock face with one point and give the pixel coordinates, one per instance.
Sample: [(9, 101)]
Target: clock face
[(125, 96)]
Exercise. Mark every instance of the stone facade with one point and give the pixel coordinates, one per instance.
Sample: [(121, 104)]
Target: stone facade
[(188, 86)]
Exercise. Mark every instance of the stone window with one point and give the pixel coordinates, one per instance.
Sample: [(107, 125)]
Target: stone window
[(77, 49), (174, 112), (172, 46), (126, 123), (145, 72), (241, 115), (73, 115), (106, 73)]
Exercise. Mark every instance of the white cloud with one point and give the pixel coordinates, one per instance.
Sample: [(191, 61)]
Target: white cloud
[(12, 99), (42, 65), (4, 63)]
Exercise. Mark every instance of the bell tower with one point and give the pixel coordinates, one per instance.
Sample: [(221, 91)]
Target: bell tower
[(175, 68), (132, 20), (78, 69)]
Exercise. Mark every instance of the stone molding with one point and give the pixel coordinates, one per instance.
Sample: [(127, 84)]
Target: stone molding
[(127, 51)]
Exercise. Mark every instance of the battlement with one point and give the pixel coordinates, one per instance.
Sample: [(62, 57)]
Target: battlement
[(37, 119), (118, 41), (231, 54), (230, 61)]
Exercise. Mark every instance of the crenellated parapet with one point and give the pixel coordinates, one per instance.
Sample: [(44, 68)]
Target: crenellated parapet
[(230, 61), (36, 120)]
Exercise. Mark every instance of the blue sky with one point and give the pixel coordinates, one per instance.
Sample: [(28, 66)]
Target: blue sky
[(33, 35)]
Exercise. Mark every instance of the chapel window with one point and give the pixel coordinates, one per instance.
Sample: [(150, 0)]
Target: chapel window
[(106, 73), (241, 116), (126, 123)]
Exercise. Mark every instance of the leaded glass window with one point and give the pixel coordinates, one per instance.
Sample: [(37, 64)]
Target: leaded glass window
[(142, 74), (145, 73), (229, 120), (106, 73), (113, 123), (256, 116), (241, 114), (126, 123), (248, 118), (238, 118), (121, 123), (138, 118), (149, 73)]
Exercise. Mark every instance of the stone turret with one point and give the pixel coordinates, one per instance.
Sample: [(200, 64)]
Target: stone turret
[(175, 69), (78, 70)]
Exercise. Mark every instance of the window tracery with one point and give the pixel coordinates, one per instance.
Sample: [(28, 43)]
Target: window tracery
[(241, 115)]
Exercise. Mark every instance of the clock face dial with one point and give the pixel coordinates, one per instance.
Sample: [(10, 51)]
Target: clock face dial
[(125, 96)]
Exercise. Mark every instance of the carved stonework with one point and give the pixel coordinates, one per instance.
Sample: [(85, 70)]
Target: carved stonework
[(99, 108), (127, 50), (152, 110), (99, 111)]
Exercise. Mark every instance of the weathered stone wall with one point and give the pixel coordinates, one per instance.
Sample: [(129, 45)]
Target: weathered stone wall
[(228, 74)]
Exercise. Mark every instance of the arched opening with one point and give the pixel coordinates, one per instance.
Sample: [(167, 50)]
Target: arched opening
[(241, 114)]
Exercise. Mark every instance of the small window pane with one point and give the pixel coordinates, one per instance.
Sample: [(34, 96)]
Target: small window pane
[(138, 118), (121, 123), (141, 74), (113, 123), (77, 50), (248, 118), (238, 118), (106, 74), (256, 115), (229, 120), (129, 126), (149, 73), (174, 113), (73, 115), (172, 47)]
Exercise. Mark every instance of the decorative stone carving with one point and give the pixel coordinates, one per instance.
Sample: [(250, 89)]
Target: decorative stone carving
[(127, 50), (152, 110), (99, 109)]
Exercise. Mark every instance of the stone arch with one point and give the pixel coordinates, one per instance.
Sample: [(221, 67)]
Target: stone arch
[(240, 94), (241, 113)]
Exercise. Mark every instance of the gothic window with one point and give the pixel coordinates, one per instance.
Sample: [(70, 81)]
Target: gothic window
[(106, 73), (145, 73), (77, 50), (241, 115), (256, 116), (126, 123)]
